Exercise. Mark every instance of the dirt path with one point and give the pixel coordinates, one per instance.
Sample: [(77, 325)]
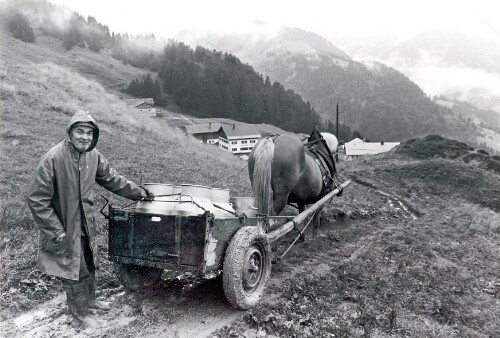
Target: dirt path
[(171, 310), (188, 306)]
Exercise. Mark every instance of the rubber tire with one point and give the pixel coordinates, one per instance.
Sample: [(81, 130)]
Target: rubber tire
[(135, 277), (244, 290)]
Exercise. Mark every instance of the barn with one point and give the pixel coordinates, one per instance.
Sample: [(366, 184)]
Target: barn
[(144, 105), (357, 148), (206, 132)]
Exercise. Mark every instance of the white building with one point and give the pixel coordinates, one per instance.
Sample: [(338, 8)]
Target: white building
[(238, 138), (357, 147)]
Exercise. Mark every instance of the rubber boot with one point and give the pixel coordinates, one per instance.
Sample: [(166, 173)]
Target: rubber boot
[(94, 303), (77, 298)]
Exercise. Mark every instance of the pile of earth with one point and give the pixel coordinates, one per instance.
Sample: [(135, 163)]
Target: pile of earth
[(435, 146)]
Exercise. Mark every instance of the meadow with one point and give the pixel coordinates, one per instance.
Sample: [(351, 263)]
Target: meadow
[(39, 97), (430, 269)]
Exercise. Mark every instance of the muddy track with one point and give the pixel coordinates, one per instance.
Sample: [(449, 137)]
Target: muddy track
[(191, 306), (172, 309)]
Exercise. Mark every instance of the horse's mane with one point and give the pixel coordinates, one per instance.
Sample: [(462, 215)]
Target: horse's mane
[(263, 158)]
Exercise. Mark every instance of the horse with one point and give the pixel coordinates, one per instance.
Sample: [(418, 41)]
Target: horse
[(281, 172)]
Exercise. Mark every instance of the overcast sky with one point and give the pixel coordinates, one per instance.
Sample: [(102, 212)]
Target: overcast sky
[(327, 18)]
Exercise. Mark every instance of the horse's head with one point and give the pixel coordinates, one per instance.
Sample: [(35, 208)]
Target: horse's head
[(331, 142)]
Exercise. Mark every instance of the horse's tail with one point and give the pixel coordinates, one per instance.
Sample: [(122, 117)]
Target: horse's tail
[(262, 191)]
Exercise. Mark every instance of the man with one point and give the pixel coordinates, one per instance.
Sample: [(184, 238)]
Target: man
[(61, 200)]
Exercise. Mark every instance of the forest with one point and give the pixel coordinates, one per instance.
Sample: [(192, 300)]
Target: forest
[(208, 83), (200, 82)]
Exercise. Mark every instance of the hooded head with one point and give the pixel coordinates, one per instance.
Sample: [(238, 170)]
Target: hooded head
[(83, 118)]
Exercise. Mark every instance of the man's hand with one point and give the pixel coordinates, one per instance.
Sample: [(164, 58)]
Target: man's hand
[(146, 194), (60, 237)]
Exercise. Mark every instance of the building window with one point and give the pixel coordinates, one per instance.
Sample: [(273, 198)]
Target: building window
[(234, 149), (245, 148), (244, 142), (252, 141), (233, 142)]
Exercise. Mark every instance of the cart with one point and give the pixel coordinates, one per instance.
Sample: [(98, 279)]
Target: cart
[(144, 244)]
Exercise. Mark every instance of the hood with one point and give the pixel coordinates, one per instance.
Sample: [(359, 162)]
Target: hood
[(84, 116)]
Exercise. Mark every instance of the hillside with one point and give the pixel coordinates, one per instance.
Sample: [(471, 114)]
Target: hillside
[(194, 81), (409, 250), (380, 102), (41, 87)]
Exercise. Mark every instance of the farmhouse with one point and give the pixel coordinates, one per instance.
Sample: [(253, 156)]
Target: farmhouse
[(238, 138), (357, 148), (206, 132), (144, 105)]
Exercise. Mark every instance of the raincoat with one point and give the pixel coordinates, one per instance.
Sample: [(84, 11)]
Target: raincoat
[(61, 194)]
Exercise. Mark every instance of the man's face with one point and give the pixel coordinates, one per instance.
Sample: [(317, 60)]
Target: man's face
[(81, 137)]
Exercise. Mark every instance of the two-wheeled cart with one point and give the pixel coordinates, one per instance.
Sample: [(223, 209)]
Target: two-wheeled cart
[(144, 242)]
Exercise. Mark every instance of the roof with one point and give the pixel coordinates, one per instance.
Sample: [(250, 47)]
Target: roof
[(137, 102), (355, 141), (368, 148), (203, 128), (240, 130)]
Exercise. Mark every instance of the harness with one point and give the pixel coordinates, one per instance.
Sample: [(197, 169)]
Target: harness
[(317, 148)]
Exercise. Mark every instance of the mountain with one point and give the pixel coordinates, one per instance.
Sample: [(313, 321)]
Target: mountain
[(252, 47), (410, 220), (485, 122), (453, 64), (378, 101)]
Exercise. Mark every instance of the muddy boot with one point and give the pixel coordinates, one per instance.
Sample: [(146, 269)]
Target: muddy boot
[(77, 298), (94, 303)]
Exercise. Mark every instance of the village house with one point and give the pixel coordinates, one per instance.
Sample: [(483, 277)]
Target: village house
[(357, 148), (205, 132), (237, 138), (144, 105)]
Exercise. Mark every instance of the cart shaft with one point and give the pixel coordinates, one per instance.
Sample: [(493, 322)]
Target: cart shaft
[(288, 226)]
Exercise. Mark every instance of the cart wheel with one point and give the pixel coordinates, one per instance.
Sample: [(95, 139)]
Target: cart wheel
[(135, 277), (247, 267)]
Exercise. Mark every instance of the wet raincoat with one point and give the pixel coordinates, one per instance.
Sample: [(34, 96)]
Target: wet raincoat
[(61, 194)]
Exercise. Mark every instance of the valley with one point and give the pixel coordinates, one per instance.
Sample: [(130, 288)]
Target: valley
[(410, 249)]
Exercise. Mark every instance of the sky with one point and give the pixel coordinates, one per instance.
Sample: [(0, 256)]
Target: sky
[(360, 18)]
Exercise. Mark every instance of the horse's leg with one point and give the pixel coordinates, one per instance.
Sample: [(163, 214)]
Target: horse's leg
[(279, 201), (316, 222)]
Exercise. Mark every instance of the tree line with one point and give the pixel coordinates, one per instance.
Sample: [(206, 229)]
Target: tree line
[(207, 83), (201, 82)]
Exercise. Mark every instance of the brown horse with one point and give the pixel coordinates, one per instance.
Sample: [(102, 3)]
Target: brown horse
[(282, 172)]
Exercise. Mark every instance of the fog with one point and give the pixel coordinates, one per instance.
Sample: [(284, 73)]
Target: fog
[(337, 21)]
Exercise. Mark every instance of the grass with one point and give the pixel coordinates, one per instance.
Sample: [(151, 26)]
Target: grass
[(378, 272), (374, 272), (39, 99), (388, 276)]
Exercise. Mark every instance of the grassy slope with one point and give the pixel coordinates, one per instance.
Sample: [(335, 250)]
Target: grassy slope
[(42, 85), (378, 272)]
